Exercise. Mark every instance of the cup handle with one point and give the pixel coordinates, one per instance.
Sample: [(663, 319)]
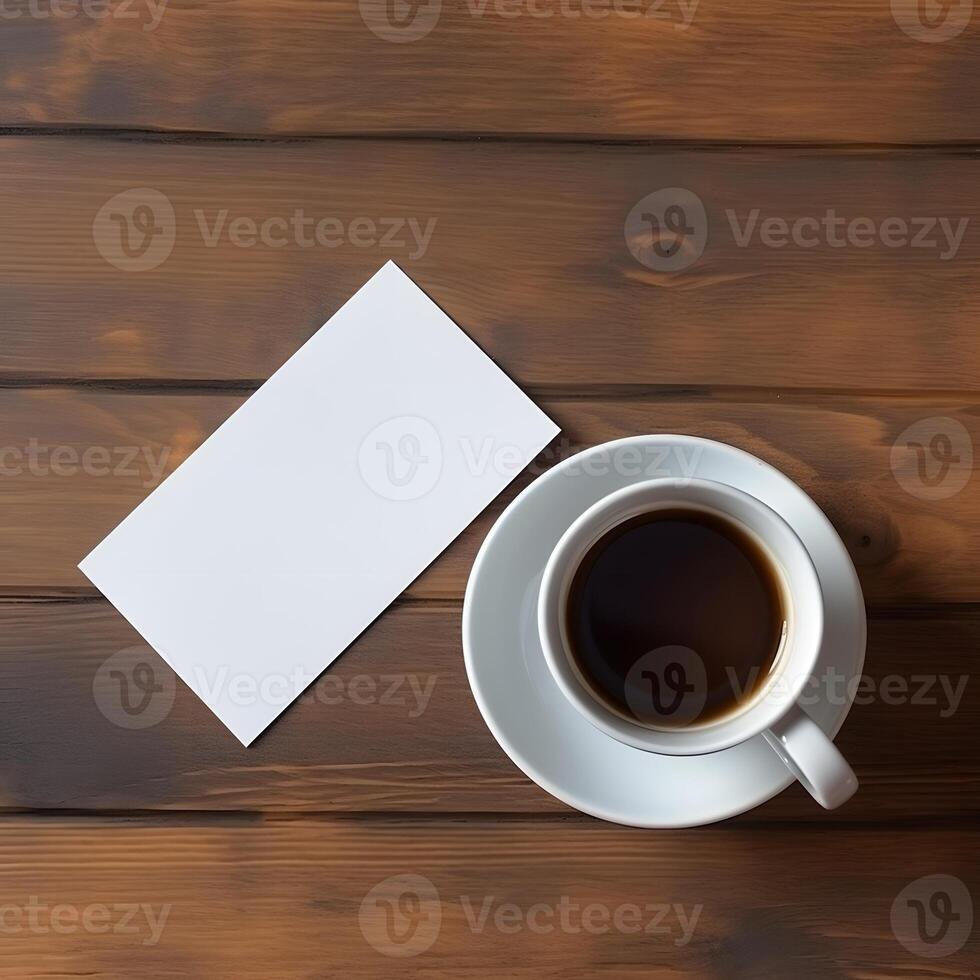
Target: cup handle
[(812, 757)]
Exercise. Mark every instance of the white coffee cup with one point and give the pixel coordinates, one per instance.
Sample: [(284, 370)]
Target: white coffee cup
[(773, 710)]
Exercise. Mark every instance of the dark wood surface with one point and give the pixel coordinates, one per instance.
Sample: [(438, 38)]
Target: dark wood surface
[(283, 896), (837, 447), (412, 739), (523, 142), (840, 72), (525, 251)]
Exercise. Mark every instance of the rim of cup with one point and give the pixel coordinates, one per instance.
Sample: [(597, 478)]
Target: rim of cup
[(789, 557)]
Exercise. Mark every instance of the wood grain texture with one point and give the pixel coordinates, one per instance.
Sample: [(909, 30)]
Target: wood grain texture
[(843, 71), (57, 503), (528, 252), (392, 726), (285, 899), (255, 863)]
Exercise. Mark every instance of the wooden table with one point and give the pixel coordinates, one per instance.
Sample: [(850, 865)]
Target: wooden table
[(521, 135)]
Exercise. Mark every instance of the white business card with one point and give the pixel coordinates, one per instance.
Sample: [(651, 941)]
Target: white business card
[(280, 539)]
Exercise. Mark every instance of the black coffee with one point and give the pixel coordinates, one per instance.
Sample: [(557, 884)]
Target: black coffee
[(675, 618)]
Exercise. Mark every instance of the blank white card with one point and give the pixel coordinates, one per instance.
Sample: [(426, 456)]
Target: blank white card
[(279, 540)]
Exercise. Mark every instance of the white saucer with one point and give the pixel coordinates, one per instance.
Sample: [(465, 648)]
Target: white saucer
[(521, 703)]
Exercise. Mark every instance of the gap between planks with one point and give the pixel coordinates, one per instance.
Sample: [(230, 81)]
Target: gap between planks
[(148, 135), (627, 391), (743, 823)]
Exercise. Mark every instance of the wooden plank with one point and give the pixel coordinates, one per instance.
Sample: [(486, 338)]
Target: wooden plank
[(682, 70), (525, 245), (115, 447), (300, 899), (392, 726)]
